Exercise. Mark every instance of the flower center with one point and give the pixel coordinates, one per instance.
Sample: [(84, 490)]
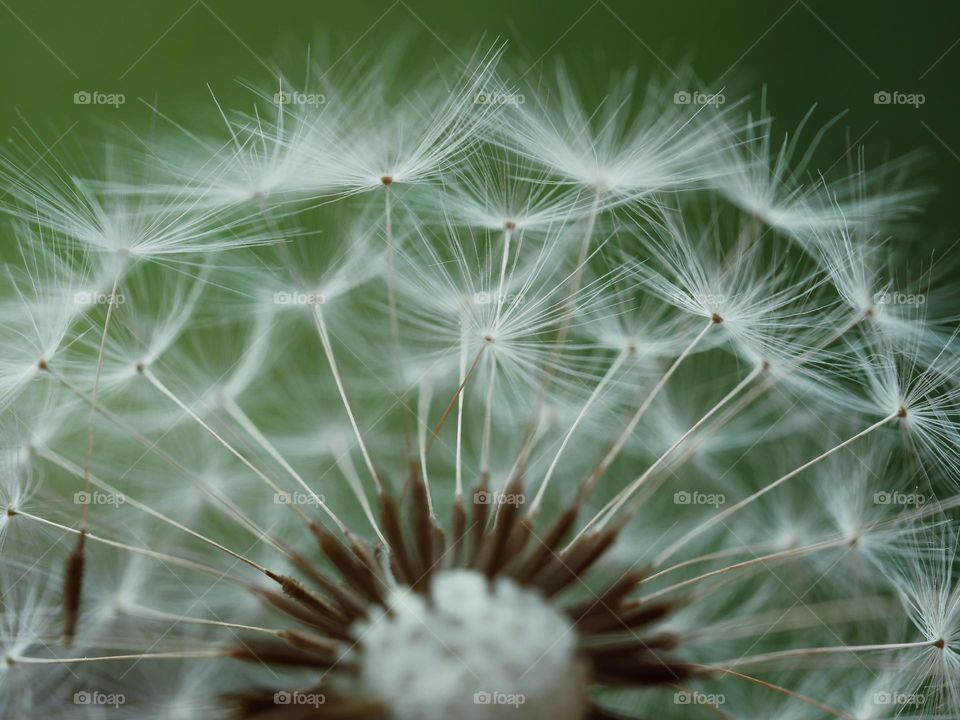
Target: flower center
[(473, 650)]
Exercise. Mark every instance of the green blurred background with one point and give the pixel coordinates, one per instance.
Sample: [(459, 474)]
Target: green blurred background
[(834, 54)]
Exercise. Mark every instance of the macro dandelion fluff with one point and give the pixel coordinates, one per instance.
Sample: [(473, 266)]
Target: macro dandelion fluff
[(427, 406)]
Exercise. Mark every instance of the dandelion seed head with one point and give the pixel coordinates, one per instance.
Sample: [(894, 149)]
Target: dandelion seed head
[(458, 395)]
